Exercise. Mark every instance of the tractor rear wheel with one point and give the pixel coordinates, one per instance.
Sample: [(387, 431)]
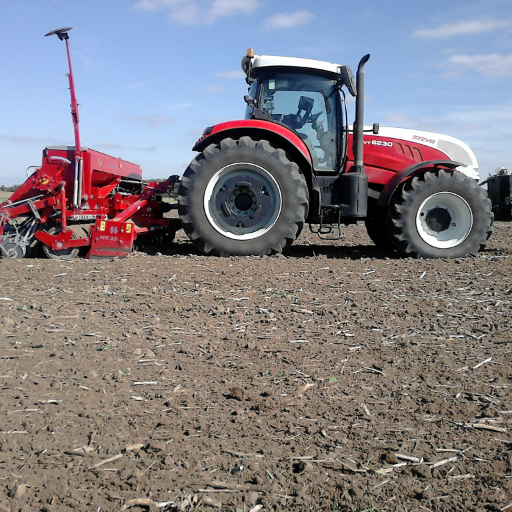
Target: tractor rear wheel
[(440, 214), (242, 197)]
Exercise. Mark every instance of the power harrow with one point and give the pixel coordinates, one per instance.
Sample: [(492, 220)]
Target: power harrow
[(83, 201)]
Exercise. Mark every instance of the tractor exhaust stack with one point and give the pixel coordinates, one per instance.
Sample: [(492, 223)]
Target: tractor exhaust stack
[(354, 183), (359, 121)]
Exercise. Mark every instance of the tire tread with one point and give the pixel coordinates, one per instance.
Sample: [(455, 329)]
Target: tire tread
[(196, 167)]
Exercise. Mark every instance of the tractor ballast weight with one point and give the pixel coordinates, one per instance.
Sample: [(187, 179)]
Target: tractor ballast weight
[(82, 200)]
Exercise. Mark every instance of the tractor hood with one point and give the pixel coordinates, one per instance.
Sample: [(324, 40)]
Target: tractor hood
[(452, 147)]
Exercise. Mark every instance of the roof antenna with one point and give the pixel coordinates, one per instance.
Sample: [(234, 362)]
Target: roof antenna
[(62, 34)]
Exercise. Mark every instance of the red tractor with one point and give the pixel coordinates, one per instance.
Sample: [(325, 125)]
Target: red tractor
[(294, 159)]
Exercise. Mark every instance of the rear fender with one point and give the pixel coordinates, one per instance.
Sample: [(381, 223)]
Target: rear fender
[(280, 135), (408, 172)]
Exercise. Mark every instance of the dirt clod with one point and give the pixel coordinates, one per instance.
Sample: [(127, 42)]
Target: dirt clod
[(389, 458), (235, 393)]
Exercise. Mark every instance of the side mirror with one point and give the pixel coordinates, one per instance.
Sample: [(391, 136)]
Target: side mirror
[(347, 78), (374, 129), (249, 100)]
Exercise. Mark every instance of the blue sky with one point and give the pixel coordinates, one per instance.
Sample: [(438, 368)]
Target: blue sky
[(152, 74)]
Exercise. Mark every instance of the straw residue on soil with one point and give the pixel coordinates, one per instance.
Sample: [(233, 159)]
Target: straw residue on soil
[(332, 378)]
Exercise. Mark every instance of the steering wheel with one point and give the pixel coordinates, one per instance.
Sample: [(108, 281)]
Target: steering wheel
[(314, 117)]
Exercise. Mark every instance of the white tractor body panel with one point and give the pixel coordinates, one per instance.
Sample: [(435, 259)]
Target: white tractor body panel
[(265, 61), (454, 148)]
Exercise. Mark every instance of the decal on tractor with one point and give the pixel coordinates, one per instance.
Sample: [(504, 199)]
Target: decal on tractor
[(384, 143), (423, 139)]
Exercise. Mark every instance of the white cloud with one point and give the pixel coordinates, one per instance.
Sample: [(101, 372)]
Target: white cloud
[(399, 120), (186, 14), (198, 12), (23, 139), (214, 88), (222, 8), (493, 65), (462, 28), (145, 119), (182, 106), (459, 120), (289, 19), (111, 146), (156, 5), (234, 74)]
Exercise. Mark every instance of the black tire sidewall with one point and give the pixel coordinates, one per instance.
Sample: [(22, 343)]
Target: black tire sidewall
[(376, 228), (457, 184), (285, 225)]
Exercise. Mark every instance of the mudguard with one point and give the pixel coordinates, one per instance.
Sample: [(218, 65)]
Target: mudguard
[(398, 178), (257, 127)]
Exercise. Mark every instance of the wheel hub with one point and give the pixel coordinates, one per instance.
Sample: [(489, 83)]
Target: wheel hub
[(444, 220), (438, 219), (242, 201)]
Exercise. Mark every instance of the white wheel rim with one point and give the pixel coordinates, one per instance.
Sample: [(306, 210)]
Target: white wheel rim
[(251, 172), (444, 220)]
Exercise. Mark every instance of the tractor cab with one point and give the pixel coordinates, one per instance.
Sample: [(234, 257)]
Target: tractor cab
[(304, 95)]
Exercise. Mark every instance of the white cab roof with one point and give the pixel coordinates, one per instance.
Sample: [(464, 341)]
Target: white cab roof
[(263, 61)]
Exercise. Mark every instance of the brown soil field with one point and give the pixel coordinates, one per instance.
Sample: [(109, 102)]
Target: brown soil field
[(334, 378)]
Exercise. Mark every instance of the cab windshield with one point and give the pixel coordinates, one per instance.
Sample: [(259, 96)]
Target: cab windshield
[(307, 105)]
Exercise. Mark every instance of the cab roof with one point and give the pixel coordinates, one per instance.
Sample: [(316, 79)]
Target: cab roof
[(260, 62)]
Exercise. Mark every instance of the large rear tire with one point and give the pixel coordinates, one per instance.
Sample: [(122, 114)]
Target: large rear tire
[(441, 214), (242, 197)]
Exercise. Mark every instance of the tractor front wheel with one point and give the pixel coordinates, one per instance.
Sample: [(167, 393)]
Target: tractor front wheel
[(378, 231), (440, 214), (242, 197)]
